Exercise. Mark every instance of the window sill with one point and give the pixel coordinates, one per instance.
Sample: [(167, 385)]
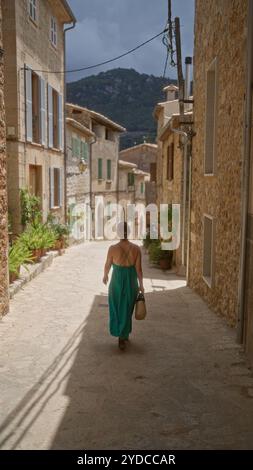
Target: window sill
[(208, 281), (34, 22), (55, 208), (209, 174)]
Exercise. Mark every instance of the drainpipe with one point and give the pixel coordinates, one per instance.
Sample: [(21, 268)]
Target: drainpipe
[(185, 144), (91, 144), (64, 125), (245, 176)]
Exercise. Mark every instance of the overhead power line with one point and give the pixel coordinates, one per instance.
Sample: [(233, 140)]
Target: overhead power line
[(81, 69)]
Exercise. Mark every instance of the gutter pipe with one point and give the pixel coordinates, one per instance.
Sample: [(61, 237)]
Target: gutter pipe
[(245, 177)]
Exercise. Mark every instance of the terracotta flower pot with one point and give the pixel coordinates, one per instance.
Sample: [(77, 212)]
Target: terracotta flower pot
[(36, 255), (164, 264)]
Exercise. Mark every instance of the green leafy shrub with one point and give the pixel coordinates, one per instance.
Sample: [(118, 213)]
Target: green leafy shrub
[(30, 207), (19, 255)]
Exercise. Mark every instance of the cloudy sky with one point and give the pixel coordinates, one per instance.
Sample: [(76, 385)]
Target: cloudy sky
[(107, 28)]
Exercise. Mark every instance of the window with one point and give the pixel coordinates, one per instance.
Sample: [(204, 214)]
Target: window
[(35, 180), (208, 249), (33, 9), (35, 108), (100, 168), (153, 172), (109, 169), (55, 176), (35, 96), (130, 179), (142, 187), (55, 119), (53, 31), (84, 151), (170, 162), (109, 209), (210, 137)]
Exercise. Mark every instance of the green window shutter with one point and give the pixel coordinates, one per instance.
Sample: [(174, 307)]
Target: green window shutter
[(109, 169), (73, 146), (130, 179), (78, 147), (84, 151), (142, 188), (100, 169)]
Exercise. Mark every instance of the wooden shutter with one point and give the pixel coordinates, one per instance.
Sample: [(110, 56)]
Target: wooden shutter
[(42, 112), (51, 186), (153, 171), (100, 169), (60, 122), (109, 169), (50, 117), (60, 187), (28, 98)]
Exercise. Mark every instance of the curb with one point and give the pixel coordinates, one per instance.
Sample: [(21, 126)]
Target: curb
[(34, 271)]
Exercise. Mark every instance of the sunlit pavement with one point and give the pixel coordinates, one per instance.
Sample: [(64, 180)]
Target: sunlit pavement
[(182, 382)]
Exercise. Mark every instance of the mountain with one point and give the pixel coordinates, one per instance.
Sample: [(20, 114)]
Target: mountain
[(125, 96)]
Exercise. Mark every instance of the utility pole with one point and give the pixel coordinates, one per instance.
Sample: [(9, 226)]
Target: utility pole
[(179, 66)]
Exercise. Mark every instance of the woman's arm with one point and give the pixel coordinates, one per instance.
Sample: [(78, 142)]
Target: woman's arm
[(138, 267), (108, 264)]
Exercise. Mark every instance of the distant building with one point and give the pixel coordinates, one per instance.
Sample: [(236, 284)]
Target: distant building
[(145, 157), (33, 40), (78, 175), (4, 275), (104, 152)]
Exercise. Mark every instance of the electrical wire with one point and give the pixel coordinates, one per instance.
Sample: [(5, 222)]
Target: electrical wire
[(106, 61)]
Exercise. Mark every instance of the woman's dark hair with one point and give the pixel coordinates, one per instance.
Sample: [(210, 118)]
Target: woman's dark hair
[(125, 230), (122, 230)]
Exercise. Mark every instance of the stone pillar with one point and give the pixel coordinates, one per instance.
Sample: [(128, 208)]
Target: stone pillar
[(4, 282)]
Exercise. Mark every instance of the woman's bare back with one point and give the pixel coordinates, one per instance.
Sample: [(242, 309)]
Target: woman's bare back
[(124, 253)]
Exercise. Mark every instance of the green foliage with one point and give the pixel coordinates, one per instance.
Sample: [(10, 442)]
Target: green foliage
[(30, 207), (125, 96), (38, 237), (154, 250), (19, 255), (61, 231)]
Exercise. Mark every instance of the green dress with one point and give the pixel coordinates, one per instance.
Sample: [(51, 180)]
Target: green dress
[(123, 291)]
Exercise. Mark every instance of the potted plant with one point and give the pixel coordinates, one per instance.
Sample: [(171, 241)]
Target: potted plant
[(61, 232), (19, 255), (165, 259)]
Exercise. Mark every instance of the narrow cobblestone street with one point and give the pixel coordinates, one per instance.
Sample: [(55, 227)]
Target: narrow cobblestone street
[(182, 383)]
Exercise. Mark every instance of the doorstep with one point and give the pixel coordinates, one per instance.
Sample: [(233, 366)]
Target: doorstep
[(33, 271)]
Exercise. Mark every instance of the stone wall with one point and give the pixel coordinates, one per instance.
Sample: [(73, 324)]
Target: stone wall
[(220, 31), (4, 296), (143, 155)]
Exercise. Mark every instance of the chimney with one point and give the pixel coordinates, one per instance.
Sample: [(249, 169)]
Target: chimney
[(171, 92)]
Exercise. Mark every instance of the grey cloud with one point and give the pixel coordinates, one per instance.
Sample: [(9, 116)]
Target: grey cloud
[(107, 28)]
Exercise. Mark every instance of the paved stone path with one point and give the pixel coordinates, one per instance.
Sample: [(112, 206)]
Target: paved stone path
[(182, 383)]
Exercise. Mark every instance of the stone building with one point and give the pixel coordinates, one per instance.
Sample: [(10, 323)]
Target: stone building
[(34, 42), (162, 113), (218, 153), (4, 281), (78, 176), (132, 187), (104, 152), (172, 174), (145, 157)]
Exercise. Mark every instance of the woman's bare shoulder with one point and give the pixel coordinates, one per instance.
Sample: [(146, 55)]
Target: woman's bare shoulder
[(135, 247)]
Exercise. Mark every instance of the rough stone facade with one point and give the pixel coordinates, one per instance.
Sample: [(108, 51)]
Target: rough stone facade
[(172, 188), (105, 147), (27, 43), (220, 32), (4, 295), (144, 156)]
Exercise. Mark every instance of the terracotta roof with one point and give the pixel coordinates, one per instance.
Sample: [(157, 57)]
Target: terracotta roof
[(98, 117), (145, 144), (77, 125), (69, 11)]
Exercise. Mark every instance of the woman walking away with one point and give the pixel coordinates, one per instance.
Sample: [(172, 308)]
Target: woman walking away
[(125, 259)]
